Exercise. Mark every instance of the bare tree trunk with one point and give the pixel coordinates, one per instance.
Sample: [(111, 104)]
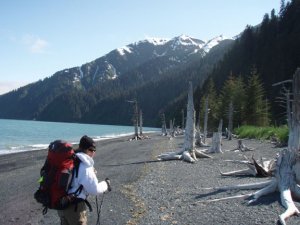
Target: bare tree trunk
[(220, 127), (230, 121), (199, 120), (182, 121), (189, 138), (164, 126), (141, 123), (217, 140), (188, 153), (216, 143), (136, 120), (205, 120), (172, 131)]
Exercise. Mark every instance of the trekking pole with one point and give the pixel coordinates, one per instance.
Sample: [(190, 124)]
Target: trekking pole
[(99, 208)]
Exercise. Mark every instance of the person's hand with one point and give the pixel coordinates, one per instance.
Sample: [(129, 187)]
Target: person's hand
[(107, 180)]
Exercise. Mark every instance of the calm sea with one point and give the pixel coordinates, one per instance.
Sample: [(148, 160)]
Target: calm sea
[(23, 135)]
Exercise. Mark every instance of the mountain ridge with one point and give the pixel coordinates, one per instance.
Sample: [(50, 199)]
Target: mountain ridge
[(78, 90)]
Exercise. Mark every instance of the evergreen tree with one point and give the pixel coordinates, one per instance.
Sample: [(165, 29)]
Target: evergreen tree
[(233, 91), (255, 107)]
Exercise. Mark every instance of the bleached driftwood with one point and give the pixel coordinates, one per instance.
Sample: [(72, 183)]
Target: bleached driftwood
[(199, 140), (188, 153), (262, 169), (241, 147), (287, 170)]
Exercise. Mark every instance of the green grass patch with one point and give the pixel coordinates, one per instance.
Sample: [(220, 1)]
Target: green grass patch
[(281, 133)]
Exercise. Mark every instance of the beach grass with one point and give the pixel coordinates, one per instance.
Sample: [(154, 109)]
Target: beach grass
[(264, 133)]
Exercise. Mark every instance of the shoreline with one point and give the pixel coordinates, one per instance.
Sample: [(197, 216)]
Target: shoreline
[(75, 144)]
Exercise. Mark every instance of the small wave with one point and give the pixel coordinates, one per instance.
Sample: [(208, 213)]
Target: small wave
[(110, 136), (39, 146), (22, 148), (9, 151)]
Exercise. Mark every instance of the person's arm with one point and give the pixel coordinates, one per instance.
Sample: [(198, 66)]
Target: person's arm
[(91, 183)]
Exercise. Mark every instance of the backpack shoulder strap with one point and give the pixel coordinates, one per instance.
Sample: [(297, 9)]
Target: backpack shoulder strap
[(77, 162)]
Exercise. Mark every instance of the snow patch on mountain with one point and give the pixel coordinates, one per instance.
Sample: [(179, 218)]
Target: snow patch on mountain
[(213, 42), (157, 41), (187, 41), (111, 72), (124, 50)]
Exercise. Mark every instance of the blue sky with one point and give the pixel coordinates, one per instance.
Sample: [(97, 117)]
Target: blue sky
[(41, 37)]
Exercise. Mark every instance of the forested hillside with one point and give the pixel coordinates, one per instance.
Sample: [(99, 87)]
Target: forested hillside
[(262, 56)]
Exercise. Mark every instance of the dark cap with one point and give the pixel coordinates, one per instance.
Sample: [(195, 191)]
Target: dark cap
[(87, 143)]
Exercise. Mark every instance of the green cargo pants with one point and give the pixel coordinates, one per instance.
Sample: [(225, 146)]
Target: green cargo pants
[(71, 216)]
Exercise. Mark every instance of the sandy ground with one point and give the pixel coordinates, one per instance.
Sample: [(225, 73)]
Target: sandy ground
[(145, 191)]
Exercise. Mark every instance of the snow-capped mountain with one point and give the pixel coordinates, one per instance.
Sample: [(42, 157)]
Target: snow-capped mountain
[(121, 60), (75, 94)]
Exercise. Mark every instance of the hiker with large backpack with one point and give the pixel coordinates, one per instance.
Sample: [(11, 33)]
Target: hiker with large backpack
[(67, 178)]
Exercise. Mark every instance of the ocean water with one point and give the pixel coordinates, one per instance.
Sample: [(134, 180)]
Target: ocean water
[(24, 135)]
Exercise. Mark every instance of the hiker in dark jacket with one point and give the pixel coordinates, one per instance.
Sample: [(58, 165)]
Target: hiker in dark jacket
[(76, 213)]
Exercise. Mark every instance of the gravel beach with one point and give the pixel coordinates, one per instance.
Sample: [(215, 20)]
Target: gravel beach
[(146, 191)]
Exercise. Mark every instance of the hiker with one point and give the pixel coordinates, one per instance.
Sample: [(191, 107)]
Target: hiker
[(86, 182)]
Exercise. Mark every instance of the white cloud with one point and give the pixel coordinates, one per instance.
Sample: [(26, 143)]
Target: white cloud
[(35, 44)]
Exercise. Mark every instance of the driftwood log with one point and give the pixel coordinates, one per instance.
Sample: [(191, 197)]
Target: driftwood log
[(255, 168), (241, 147)]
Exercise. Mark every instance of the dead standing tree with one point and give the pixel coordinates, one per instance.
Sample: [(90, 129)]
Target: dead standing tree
[(182, 119), (164, 125), (142, 135), (141, 123), (172, 129), (287, 171), (230, 121), (205, 120), (217, 140), (137, 120), (199, 137), (188, 153), (285, 103)]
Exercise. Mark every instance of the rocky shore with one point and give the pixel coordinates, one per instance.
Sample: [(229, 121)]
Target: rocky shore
[(146, 191)]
